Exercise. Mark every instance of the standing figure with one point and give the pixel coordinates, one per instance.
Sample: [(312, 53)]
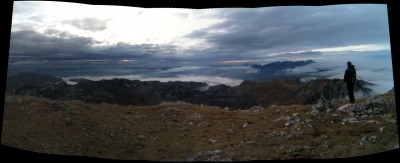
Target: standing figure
[(350, 79)]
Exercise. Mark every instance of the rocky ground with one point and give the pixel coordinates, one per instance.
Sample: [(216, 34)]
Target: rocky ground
[(179, 131)]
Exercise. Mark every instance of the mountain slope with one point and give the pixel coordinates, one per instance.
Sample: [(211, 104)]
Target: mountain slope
[(179, 131)]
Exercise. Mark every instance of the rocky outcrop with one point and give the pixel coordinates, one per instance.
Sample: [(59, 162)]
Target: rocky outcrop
[(292, 91), (29, 83)]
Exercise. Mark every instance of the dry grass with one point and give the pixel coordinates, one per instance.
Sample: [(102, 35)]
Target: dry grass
[(178, 132)]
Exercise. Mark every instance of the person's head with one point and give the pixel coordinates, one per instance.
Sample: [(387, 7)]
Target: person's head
[(348, 63), (352, 67)]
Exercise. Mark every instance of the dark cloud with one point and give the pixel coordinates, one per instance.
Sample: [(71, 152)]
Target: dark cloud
[(29, 46), (89, 24), (59, 43), (301, 27)]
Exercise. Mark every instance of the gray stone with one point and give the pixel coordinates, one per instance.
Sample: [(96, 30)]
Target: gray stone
[(282, 133), (276, 120), (381, 129), (314, 111), (351, 119), (364, 138), (245, 125), (291, 150), (212, 141), (205, 156), (373, 138), (196, 117), (287, 124)]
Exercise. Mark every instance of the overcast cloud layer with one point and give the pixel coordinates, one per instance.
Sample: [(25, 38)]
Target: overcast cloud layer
[(87, 40)]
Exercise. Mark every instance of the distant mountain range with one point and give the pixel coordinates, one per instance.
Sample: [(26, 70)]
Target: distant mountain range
[(135, 92), (275, 70), (282, 65)]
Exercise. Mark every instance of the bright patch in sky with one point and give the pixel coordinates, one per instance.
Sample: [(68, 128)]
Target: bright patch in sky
[(357, 48), (113, 24)]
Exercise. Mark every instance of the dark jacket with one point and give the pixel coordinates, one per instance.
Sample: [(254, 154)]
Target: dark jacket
[(350, 74)]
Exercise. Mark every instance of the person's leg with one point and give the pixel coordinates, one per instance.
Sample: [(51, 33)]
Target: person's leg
[(351, 92)]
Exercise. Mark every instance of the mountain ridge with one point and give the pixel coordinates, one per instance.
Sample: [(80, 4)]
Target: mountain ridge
[(243, 96)]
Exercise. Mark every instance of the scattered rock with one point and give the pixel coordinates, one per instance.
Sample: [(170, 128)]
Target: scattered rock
[(196, 117), (212, 141), (309, 120), (141, 136), (281, 133), (291, 150), (327, 145), (256, 108), (381, 129), (347, 108), (245, 125), (205, 156), (373, 138), (351, 119), (276, 120), (364, 138), (287, 124), (314, 111)]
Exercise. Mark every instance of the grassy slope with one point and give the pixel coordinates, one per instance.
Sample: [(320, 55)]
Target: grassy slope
[(176, 132)]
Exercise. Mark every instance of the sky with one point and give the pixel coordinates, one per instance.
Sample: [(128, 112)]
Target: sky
[(198, 44)]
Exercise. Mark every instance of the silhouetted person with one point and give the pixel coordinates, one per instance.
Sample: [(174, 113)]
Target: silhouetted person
[(350, 79)]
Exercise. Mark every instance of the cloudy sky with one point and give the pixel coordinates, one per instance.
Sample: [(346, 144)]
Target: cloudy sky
[(65, 36)]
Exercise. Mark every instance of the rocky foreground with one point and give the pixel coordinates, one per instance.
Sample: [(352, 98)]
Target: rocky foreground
[(179, 131)]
